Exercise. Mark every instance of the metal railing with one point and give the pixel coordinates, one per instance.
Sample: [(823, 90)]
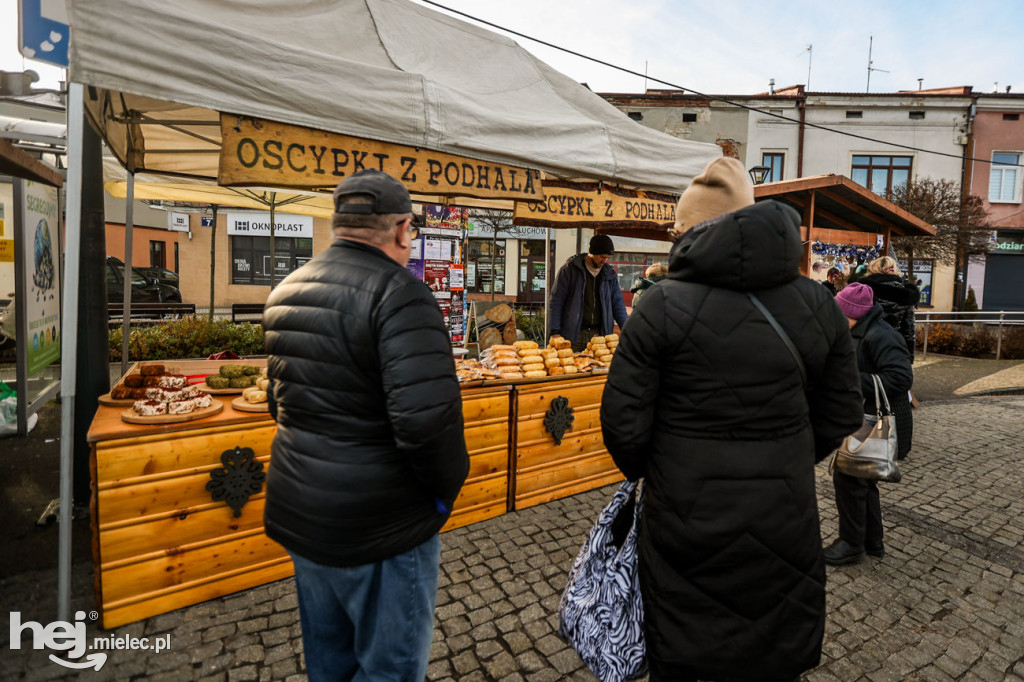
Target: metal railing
[(998, 319)]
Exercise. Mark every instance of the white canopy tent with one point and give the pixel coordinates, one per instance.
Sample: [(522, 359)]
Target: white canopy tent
[(155, 77), (387, 70)]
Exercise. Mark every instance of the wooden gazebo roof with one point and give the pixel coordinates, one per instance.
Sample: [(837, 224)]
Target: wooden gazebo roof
[(835, 202)]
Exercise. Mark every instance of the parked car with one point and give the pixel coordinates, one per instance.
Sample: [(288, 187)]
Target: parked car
[(161, 275), (144, 289)]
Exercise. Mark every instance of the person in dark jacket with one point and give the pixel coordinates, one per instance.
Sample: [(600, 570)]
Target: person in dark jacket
[(898, 300), (652, 275), (833, 280), (880, 351), (586, 300), (369, 454), (706, 402)]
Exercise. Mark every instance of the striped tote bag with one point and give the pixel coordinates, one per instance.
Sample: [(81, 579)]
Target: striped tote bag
[(600, 613)]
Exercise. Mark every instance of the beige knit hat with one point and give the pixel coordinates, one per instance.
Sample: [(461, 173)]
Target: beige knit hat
[(722, 187)]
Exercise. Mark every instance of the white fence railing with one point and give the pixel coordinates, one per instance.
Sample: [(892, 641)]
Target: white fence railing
[(998, 319)]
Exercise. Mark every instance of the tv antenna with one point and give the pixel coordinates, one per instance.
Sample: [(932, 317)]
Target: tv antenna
[(871, 68), (809, 50)]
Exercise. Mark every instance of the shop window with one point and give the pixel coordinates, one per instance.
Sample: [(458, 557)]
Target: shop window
[(629, 266), (1004, 180), (881, 174), (485, 266), (775, 161), (923, 271), (250, 258), (532, 270), (157, 257)]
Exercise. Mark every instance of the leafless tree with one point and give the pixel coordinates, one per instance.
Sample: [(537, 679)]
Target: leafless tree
[(961, 223)]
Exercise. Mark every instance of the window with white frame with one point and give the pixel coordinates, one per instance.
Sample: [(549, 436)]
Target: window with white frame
[(1004, 180)]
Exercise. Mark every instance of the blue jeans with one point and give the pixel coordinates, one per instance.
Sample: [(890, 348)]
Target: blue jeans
[(369, 623)]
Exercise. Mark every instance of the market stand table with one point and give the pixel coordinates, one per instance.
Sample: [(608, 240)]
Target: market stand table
[(163, 539)]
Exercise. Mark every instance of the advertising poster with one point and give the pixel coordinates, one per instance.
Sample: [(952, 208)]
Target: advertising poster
[(40, 223), (457, 317), (447, 220), (435, 274), (455, 278)]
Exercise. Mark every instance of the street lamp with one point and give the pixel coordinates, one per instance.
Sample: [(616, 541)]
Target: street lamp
[(758, 174)]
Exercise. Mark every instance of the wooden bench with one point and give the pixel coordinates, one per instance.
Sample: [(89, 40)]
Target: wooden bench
[(149, 313), (247, 312)]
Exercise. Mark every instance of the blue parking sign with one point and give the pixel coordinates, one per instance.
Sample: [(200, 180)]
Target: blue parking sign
[(43, 31)]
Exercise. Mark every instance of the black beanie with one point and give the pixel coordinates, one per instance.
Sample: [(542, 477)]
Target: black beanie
[(601, 245)]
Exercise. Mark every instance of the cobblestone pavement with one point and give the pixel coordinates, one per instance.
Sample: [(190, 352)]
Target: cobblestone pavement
[(946, 602)]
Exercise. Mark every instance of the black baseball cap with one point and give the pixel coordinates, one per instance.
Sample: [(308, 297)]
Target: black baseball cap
[(388, 194)]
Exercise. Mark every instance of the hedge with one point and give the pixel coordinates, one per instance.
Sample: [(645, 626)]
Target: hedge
[(190, 337)]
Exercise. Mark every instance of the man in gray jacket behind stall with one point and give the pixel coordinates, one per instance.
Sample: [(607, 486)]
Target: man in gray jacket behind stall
[(369, 454)]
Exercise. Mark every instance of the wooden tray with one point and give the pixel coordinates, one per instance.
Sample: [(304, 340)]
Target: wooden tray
[(105, 399), (133, 417), (205, 388), (243, 405)]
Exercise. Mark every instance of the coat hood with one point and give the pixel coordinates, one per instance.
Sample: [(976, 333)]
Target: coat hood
[(892, 288), (757, 247)]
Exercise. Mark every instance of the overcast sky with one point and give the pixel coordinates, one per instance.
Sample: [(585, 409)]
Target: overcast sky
[(736, 46)]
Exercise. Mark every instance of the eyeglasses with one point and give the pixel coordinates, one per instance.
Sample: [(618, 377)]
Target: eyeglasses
[(414, 231)]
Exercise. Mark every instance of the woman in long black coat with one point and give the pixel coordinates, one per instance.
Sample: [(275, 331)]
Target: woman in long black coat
[(898, 300), (880, 352), (706, 403)]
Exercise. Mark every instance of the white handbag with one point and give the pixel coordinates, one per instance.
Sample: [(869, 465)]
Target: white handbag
[(870, 451)]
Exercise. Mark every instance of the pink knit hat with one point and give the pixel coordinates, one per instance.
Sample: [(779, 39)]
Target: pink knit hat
[(855, 300)]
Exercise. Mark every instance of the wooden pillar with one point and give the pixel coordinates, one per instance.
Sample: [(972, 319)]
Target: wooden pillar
[(807, 221)]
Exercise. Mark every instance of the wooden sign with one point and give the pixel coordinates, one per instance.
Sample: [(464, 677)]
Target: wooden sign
[(588, 204), (266, 153)]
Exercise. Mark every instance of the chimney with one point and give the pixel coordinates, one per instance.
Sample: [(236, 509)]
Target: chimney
[(1008, 89), (14, 83), (771, 86), (920, 83)]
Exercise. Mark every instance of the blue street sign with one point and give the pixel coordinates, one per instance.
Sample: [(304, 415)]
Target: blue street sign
[(206, 221), (43, 31)]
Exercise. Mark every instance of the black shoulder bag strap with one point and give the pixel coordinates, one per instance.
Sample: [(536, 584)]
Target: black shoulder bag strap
[(782, 334)]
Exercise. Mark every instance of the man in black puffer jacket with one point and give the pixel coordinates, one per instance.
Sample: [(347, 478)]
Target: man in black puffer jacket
[(369, 454), (705, 401)]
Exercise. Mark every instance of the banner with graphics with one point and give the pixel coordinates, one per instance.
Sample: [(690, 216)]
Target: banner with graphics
[(40, 232), (583, 204), (267, 153)]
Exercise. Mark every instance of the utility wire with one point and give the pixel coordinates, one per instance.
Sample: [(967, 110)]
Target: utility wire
[(715, 98)]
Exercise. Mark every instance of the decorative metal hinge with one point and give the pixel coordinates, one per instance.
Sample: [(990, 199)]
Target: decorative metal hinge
[(241, 476), (559, 418)]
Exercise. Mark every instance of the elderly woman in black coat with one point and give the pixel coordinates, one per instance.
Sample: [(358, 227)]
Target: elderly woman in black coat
[(880, 351), (706, 401), (898, 300)]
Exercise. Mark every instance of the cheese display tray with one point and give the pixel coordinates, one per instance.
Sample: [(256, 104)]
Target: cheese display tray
[(105, 399), (133, 417), (243, 405)]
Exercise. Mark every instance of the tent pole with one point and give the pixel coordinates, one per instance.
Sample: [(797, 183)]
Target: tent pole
[(273, 251), (129, 231), (213, 256), (547, 281), (69, 343)]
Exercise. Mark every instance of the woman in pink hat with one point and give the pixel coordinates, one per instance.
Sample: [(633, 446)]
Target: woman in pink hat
[(880, 350)]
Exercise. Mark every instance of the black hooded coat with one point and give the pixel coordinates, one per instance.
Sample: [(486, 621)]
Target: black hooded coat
[(705, 401)]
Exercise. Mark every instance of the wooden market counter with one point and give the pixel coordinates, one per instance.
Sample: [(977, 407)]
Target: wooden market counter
[(161, 541)]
